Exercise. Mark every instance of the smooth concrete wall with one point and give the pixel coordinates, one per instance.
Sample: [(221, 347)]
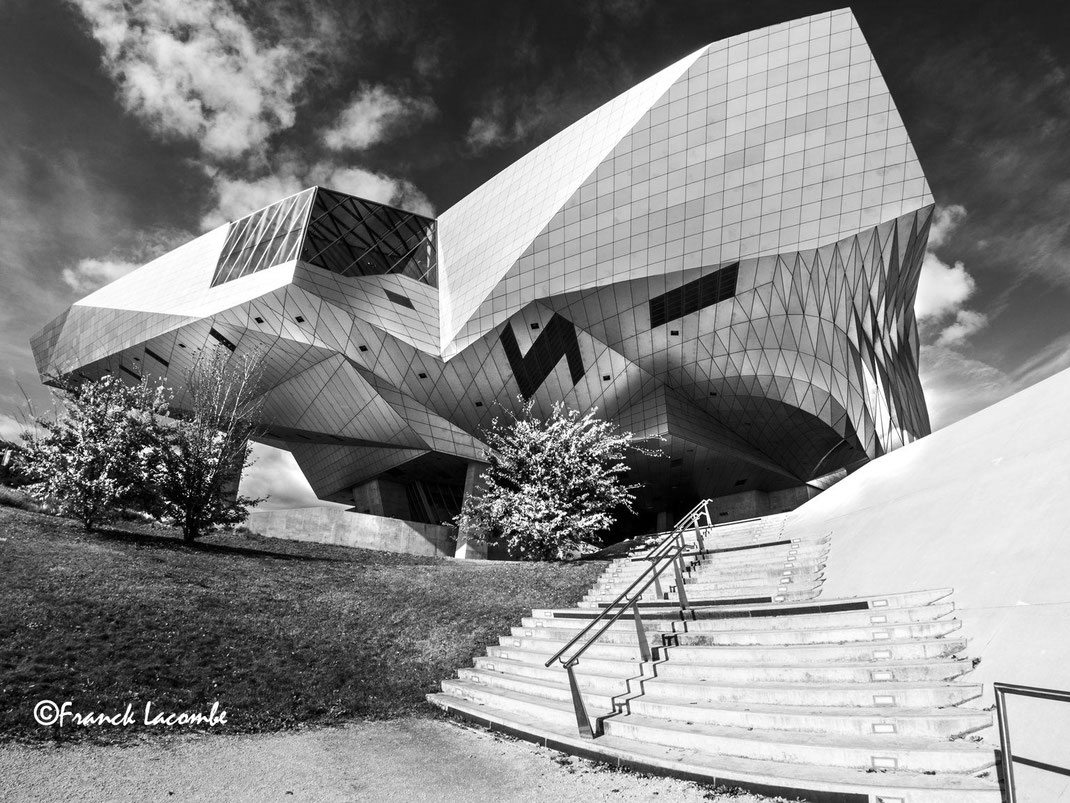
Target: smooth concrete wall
[(982, 506), (326, 525)]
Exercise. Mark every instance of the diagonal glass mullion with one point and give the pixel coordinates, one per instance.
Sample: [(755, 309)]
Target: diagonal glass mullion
[(375, 246), (341, 235)]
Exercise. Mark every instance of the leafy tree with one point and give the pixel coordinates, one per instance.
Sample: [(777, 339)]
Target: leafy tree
[(93, 453), (206, 448), (551, 485)]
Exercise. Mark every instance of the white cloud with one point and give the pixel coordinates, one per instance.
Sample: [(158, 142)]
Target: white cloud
[(276, 475), (238, 197), (194, 69), (10, 428), (945, 221), (486, 132), (957, 386), (89, 274), (498, 125), (942, 289), (967, 322), (371, 115)]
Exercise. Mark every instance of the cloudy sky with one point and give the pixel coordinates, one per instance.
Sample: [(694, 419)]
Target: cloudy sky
[(129, 127)]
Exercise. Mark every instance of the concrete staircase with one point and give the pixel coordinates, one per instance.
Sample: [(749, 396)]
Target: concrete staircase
[(760, 684)]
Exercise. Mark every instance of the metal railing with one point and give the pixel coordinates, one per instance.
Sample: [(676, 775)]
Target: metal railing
[(668, 552), (1007, 758)]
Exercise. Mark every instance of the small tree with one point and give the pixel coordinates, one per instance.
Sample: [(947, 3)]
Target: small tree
[(208, 445), (93, 453), (552, 486)]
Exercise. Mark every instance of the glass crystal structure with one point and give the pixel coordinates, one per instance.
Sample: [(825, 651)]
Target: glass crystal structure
[(724, 258)]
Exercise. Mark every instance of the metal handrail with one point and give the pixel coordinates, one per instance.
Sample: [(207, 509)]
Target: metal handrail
[(668, 551), (1007, 758)]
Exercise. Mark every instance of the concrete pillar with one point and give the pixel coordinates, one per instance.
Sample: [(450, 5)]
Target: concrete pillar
[(664, 525), (381, 497), (471, 549), (367, 499)]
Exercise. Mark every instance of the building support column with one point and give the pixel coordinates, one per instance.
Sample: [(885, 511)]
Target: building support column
[(470, 549), (664, 525)]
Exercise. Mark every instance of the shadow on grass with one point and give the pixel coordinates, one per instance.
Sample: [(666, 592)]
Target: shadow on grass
[(173, 543)]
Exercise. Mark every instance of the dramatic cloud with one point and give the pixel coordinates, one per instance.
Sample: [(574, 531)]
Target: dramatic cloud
[(371, 115), (10, 428), (194, 69), (239, 197), (89, 274), (945, 221), (499, 125), (967, 322), (957, 386), (944, 289)]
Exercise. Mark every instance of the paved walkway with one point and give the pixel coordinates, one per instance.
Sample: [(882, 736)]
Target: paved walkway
[(401, 760)]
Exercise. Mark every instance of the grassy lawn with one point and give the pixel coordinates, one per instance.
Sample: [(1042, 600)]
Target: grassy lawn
[(280, 633)]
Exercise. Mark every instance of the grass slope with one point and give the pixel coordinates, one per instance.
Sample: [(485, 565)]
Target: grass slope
[(280, 633)]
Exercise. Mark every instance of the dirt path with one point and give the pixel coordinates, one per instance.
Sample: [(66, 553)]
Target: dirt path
[(401, 760)]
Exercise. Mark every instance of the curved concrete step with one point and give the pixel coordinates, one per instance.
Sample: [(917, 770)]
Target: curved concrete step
[(845, 618), (876, 651), (934, 723), (925, 723), (788, 780), (714, 608), (877, 752), (895, 751), (837, 687), (902, 694), (625, 633), (816, 672)]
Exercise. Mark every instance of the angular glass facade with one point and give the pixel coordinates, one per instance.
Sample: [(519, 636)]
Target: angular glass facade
[(345, 235), (724, 258)]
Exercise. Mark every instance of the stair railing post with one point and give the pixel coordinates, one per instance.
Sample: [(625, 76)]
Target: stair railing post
[(644, 645), (698, 534), (583, 722), (680, 582), (1005, 755), (657, 582)]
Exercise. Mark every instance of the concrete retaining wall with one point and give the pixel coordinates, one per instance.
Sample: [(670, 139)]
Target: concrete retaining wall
[(325, 525)]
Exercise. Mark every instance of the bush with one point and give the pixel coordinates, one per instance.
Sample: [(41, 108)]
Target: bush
[(551, 486)]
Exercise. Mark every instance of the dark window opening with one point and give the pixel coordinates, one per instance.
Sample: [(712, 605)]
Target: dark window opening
[(693, 296), (299, 319), (534, 326), (157, 357), (362, 348), (134, 374), (400, 300), (605, 377), (422, 376), (221, 338), (479, 404), (258, 319), (557, 340)]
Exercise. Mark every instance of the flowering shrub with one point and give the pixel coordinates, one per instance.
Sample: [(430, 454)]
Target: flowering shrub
[(94, 454), (551, 485)]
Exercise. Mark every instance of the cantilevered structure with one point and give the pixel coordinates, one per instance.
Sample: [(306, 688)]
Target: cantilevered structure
[(725, 256)]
